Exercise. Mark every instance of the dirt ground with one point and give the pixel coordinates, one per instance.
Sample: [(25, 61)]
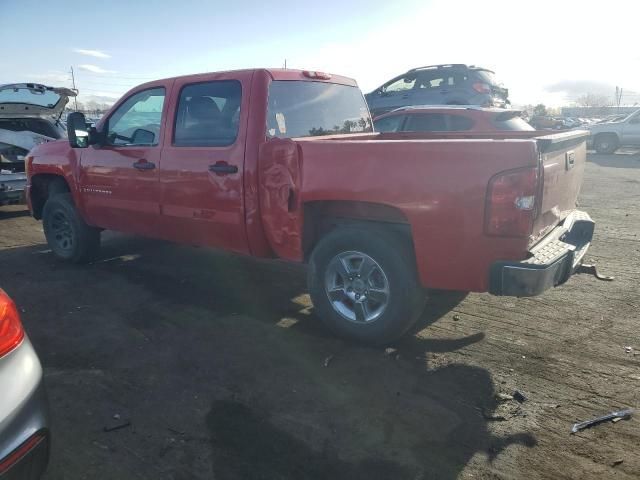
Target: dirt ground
[(223, 371)]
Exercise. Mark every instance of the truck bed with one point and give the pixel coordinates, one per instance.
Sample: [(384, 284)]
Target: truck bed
[(442, 200)]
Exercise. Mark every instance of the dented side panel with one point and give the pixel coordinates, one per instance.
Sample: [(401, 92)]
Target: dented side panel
[(279, 187)]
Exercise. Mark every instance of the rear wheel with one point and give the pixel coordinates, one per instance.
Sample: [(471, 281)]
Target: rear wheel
[(68, 236), (606, 143), (364, 285)]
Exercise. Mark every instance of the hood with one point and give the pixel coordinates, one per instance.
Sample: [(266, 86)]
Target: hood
[(23, 100)]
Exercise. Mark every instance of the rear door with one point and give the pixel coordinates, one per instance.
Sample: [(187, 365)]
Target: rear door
[(436, 87), (119, 180), (202, 196)]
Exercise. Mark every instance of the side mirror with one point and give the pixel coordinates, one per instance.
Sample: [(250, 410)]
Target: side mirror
[(77, 130), (142, 137)]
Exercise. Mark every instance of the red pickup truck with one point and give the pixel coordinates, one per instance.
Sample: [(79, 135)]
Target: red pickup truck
[(285, 164)]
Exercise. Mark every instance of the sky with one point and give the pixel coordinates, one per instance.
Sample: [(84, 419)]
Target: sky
[(546, 51)]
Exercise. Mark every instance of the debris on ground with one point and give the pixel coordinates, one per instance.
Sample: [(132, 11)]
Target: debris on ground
[(327, 360), (593, 270), (519, 396), (620, 414), (617, 462), (116, 416), (493, 417), (503, 397), (628, 349), (456, 317), (389, 351), (117, 427)]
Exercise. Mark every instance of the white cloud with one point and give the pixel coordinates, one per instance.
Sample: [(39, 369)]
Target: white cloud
[(56, 78), (94, 69), (92, 53)]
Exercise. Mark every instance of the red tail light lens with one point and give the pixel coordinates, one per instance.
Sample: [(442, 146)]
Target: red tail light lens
[(511, 203), (482, 87), (11, 332)]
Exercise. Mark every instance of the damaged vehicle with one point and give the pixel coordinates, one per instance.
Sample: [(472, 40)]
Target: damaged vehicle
[(29, 115)]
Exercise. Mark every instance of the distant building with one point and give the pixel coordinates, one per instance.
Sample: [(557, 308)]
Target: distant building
[(587, 112)]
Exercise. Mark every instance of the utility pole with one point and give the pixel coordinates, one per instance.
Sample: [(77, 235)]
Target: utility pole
[(73, 81), (285, 63)]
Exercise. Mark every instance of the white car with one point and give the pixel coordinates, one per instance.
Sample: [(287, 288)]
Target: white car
[(29, 115)]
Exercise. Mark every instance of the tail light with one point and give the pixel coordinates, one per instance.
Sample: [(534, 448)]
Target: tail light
[(511, 203), (482, 87), (11, 332)]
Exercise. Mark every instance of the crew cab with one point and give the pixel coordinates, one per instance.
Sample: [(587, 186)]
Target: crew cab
[(285, 164)]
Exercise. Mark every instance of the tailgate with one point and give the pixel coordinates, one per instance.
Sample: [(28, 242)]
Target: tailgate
[(563, 157)]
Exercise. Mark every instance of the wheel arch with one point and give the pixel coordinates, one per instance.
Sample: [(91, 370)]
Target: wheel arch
[(43, 185), (322, 217)]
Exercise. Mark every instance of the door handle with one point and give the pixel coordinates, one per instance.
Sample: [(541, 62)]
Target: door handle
[(142, 164), (223, 168)]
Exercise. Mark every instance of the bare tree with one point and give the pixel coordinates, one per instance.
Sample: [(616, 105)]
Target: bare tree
[(593, 100)]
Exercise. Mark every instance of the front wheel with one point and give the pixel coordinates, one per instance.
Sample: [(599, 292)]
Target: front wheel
[(606, 143), (364, 286), (68, 236)]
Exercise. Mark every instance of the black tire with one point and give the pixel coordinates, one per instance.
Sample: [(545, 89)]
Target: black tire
[(394, 257), (68, 236), (606, 143)]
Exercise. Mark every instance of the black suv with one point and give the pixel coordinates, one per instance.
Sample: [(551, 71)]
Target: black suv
[(452, 84)]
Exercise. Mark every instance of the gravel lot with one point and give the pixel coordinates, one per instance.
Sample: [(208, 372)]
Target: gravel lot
[(224, 372)]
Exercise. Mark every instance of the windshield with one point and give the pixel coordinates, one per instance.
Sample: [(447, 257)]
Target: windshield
[(33, 96), (307, 109)]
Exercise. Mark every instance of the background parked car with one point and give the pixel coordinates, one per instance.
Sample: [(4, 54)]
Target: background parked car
[(24, 437), (609, 136), (545, 122), (454, 84), (426, 118), (29, 115)]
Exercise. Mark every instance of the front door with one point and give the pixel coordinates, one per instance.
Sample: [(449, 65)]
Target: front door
[(631, 131), (202, 195), (119, 180)]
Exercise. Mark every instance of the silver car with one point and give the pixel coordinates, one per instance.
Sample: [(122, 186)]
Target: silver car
[(607, 137), (24, 423)]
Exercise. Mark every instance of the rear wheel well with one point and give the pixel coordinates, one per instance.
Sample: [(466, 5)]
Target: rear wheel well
[(321, 218), (42, 187)]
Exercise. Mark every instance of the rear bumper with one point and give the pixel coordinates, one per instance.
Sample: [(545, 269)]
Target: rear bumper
[(551, 262)]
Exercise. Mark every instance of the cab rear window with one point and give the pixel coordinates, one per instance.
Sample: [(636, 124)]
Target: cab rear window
[(306, 109)]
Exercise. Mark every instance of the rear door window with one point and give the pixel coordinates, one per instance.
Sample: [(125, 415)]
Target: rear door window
[(389, 124), (208, 114), (459, 123), (437, 122), (426, 122)]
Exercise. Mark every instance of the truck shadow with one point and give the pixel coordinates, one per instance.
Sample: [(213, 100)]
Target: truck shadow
[(413, 419), (432, 433)]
